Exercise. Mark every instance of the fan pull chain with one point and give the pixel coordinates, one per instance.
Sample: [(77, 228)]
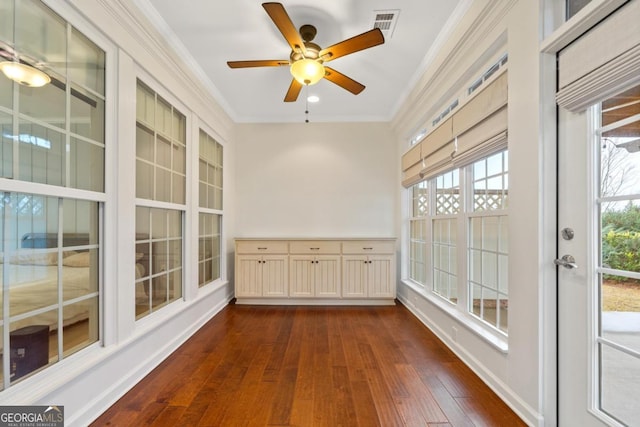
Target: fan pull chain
[(306, 111)]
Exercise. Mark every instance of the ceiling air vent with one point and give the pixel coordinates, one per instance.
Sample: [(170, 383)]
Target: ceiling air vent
[(386, 21)]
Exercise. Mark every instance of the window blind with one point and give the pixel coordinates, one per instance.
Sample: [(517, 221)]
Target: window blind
[(602, 62), (478, 128)]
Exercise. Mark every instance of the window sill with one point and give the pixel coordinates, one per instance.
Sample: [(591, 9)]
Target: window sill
[(496, 340)]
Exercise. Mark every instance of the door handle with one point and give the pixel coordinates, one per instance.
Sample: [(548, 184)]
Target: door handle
[(567, 261)]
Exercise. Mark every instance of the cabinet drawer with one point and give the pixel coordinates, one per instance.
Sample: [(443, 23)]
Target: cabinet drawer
[(368, 247), (310, 247), (262, 247)]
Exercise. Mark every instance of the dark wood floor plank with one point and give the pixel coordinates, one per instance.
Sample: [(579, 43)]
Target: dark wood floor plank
[(311, 366), (170, 416), (426, 403), (447, 403)]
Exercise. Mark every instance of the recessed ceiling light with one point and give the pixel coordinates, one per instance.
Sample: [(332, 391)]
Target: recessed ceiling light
[(313, 98)]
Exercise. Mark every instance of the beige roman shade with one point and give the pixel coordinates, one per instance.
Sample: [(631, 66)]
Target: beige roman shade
[(476, 130), (603, 61)]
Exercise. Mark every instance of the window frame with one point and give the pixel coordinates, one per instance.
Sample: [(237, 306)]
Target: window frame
[(461, 220), (105, 230), (151, 83), (206, 210)]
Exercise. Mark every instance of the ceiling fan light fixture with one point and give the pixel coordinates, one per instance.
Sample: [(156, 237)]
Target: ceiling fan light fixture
[(24, 74), (307, 71)]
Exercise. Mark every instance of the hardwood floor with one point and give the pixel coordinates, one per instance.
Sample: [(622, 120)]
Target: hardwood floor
[(311, 366)]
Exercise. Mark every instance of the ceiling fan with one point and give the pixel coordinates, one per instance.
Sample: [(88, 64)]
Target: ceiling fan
[(307, 59)]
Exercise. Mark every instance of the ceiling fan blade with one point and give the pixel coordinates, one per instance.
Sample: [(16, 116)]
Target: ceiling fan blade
[(258, 63), (343, 81), (360, 42), (293, 92), (279, 16)]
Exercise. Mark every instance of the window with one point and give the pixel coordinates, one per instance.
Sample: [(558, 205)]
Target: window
[(160, 191), (50, 250), (210, 201), (488, 241), (456, 220)]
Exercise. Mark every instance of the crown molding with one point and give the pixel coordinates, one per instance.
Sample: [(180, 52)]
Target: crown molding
[(484, 25), (138, 37)]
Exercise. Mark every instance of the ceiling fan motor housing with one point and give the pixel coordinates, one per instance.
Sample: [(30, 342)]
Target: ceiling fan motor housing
[(312, 52)]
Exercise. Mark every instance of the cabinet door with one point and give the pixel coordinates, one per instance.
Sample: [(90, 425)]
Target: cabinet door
[(275, 273), (301, 279), (380, 272), (326, 272), (354, 272), (248, 276)]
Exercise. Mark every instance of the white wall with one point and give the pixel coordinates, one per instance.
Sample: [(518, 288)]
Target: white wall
[(316, 180)]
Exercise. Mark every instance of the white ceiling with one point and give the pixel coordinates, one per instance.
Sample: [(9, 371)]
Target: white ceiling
[(210, 33)]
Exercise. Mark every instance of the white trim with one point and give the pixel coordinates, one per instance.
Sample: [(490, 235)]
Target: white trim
[(590, 15), (497, 340)]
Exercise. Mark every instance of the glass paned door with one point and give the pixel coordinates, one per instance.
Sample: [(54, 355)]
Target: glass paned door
[(599, 257)]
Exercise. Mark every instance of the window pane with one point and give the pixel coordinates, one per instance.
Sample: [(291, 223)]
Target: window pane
[(209, 248), (86, 165), (163, 185), (6, 20), (88, 62), (42, 154), (47, 103), (80, 333), (41, 34), (6, 89), (574, 6), (490, 183), (87, 114), (144, 180), (444, 259), (178, 190), (619, 379), (80, 222), (145, 148), (6, 147), (620, 165), (145, 105), (448, 193)]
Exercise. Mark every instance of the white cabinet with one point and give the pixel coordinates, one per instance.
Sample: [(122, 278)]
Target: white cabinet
[(368, 269), (305, 271), (314, 269), (261, 269)]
